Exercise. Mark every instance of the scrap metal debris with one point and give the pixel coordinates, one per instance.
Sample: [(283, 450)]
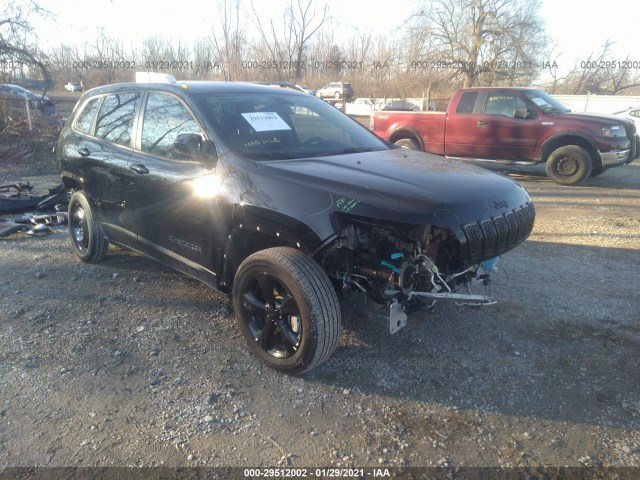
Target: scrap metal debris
[(20, 197)]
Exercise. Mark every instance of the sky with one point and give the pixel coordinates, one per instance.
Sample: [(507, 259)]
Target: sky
[(579, 27)]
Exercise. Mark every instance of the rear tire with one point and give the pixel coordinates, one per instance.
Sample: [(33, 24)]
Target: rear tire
[(408, 143), (287, 309), (86, 235), (569, 165)]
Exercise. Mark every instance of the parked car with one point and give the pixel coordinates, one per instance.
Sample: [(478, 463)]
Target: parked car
[(401, 106), (8, 90), (307, 90), (280, 200), (73, 87), (516, 126), (336, 90), (360, 106), (16, 96), (631, 114)]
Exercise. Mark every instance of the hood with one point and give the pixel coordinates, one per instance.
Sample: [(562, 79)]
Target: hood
[(396, 185), (602, 119)]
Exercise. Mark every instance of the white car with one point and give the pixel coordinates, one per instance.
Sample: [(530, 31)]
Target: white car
[(360, 106), (73, 87), (632, 113)]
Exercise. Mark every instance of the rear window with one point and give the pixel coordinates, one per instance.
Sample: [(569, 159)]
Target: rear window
[(467, 102), (115, 119), (84, 120)]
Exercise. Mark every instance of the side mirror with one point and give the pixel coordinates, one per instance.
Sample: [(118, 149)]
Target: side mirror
[(194, 147), (188, 144)]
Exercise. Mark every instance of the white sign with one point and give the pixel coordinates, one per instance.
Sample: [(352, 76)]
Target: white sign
[(538, 101), (266, 121)]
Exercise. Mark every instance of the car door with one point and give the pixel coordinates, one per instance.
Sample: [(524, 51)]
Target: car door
[(100, 145), (509, 127), (493, 125), (463, 137), (173, 223)]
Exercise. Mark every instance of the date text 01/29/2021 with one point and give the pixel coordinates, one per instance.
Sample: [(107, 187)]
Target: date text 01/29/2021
[(316, 472)]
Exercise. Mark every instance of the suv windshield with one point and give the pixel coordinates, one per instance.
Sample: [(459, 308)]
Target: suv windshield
[(545, 102), (269, 127)]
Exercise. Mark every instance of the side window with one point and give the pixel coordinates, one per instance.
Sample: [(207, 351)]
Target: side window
[(635, 113), (115, 119), (165, 117), (504, 104), (467, 102), (84, 120)]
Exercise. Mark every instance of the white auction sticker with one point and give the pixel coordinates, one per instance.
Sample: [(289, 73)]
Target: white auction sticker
[(538, 101), (266, 121)]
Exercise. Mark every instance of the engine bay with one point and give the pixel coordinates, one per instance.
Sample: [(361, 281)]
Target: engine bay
[(407, 268)]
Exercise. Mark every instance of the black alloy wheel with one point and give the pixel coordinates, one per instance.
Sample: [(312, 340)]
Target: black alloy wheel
[(286, 309)]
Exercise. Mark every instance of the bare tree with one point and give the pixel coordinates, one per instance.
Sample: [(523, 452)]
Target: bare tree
[(305, 21), (19, 51), (482, 41), (270, 43), (64, 62), (288, 49), (228, 38)]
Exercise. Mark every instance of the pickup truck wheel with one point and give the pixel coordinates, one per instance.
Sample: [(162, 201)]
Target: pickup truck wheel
[(569, 165), (287, 309), (86, 236), (408, 143)]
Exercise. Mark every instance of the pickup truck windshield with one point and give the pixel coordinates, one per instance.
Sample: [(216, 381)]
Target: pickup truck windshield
[(280, 126), (545, 102)]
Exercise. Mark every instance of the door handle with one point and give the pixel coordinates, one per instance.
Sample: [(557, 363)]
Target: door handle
[(84, 152), (139, 168), (482, 123)]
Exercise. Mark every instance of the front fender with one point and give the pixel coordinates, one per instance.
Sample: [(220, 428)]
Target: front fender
[(255, 228)]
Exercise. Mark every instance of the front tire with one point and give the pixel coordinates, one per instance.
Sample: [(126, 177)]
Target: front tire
[(569, 165), (287, 309), (86, 236)]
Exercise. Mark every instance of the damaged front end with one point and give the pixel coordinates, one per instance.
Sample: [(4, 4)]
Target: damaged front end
[(410, 267)]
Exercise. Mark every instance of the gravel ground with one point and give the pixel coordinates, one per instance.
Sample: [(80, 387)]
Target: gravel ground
[(128, 363)]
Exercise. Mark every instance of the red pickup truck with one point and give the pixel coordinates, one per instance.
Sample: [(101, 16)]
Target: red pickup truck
[(515, 126)]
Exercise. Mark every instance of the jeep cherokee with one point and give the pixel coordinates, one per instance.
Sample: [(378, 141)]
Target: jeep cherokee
[(283, 202)]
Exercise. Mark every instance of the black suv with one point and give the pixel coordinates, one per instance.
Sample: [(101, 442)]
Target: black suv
[(281, 200)]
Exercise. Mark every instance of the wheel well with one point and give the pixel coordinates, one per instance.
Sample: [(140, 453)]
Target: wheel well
[(582, 142), (71, 184), (402, 134), (245, 243)]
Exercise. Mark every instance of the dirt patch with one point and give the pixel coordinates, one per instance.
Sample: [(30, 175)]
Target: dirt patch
[(128, 363)]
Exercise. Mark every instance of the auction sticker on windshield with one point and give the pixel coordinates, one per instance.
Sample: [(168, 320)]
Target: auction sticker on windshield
[(266, 121)]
